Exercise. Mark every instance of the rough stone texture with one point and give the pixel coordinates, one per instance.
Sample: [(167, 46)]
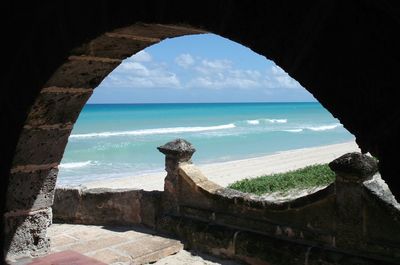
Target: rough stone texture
[(179, 149), (29, 233), (176, 152), (57, 108), (38, 146), (158, 31), (31, 190), (122, 43), (260, 248), (106, 206), (81, 73), (112, 47), (66, 204), (102, 206), (354, 166), (150, 204), (381, 206)]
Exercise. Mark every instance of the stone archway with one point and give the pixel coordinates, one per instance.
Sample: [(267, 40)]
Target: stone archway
[(50, 121), (319, 45)]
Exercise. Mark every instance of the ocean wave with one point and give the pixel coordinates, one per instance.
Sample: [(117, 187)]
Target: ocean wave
[(253, 122), (325, 127), (293, 130), (155, 131), (75, 164), (276, 120)]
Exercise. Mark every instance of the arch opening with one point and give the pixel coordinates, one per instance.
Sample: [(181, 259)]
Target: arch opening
[(260, 118), (228, 101)]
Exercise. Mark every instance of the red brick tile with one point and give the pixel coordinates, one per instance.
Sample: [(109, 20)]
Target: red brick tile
[(67, 257)]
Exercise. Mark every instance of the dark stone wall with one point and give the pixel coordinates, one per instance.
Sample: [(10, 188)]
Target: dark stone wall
[(344, 52)]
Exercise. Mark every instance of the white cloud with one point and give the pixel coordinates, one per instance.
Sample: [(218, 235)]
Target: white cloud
[(184, 60), (213, 66), (228, 79), (141, 72), (141, 56), (133, 68), (137, 75), (221, 74), (276, 77)]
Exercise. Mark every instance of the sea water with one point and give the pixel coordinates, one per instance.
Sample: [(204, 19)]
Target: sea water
[(119, 140)]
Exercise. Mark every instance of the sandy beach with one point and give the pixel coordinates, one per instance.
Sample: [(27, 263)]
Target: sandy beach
[(225, 173)]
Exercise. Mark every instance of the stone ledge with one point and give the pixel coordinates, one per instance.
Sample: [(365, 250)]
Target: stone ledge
[(106, 206)]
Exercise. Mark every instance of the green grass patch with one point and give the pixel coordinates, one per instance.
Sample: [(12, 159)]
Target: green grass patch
[(310, 176)]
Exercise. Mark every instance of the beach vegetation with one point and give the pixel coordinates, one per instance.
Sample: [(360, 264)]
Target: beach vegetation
[(304, 178)]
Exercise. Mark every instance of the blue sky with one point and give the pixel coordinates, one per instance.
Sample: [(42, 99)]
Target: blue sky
[(198, 68)]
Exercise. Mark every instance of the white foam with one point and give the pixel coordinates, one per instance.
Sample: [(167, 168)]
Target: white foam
[(324, 127), (75, 164), (276, 120), (155, 131), (293, 130), (253, 122)]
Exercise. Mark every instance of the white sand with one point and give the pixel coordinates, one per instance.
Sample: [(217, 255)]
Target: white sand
[(228, 172)]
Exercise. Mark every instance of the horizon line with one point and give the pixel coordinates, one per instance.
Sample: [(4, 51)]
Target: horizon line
[(247, 102)]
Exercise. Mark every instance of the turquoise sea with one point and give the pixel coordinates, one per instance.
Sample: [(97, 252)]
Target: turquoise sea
[(118, 140)]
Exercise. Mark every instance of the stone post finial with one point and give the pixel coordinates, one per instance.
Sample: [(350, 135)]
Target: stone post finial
[(179, 149), (354, 167)]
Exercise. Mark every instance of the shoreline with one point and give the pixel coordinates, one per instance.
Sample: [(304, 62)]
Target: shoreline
[(225, 173)]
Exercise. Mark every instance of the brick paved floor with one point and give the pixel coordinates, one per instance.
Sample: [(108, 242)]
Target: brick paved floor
[(116, 245), (113, 245)]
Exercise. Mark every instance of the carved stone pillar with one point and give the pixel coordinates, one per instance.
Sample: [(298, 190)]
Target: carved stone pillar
[(176, 152), (351, 171)]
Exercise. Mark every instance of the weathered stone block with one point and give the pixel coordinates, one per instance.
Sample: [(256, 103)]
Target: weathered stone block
[(37, 146), (106, 206), (150, 205), (31, 191), (385, 237), (81, 73), (260, 249), (57, 108), (110, 206), (26, 233), (112, 47), (204, 236), (157, 31), (66, 204), (349, 215)]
